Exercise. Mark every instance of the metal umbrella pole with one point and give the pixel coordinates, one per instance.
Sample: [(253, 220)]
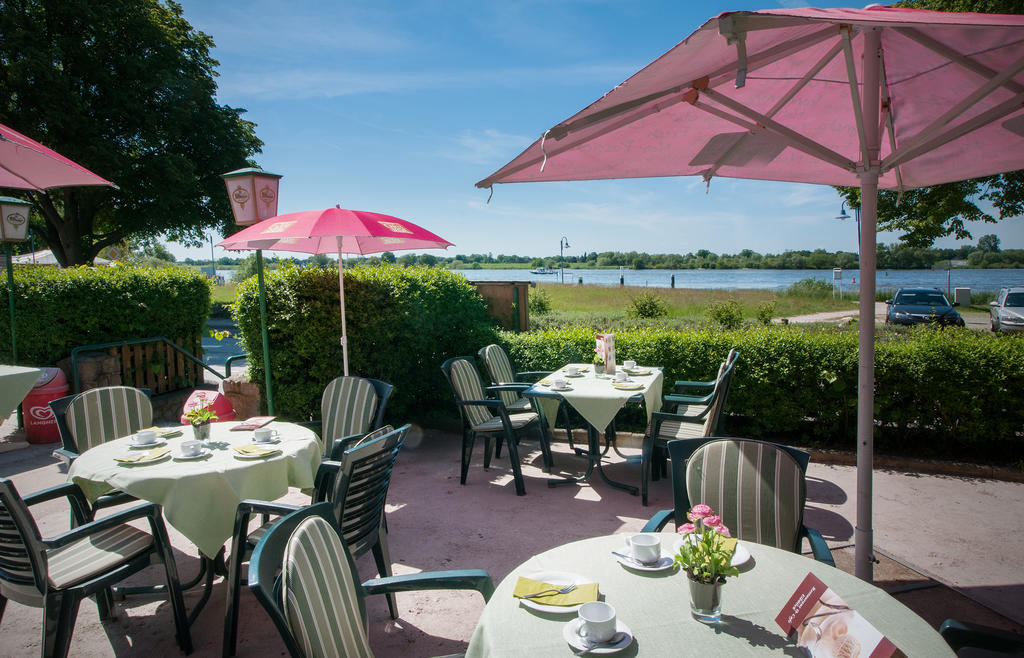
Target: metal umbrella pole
[(10, 301), (263, 327)]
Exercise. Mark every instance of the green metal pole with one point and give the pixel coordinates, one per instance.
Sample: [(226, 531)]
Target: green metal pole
[(266, 338), (10, 301)]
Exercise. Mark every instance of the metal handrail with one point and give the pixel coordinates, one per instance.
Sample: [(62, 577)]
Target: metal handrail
[(104, 346), (231, 359)]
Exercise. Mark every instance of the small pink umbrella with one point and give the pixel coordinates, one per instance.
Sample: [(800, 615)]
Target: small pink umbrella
[(25, 164), (335, 230)]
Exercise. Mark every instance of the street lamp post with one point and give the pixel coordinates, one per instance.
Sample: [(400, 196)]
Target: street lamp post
[(562, 245), (843, 215)]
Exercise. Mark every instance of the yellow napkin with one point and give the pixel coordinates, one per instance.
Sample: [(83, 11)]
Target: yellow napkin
[(250, 450), (628, 386), (155, 453), (729, 544), (640, 372), (164, 432), (582, 593)]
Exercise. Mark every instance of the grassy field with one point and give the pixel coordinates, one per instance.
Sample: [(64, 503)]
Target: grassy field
[(225, 294)]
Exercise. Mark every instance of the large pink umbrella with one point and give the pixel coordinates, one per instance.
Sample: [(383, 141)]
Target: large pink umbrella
[(331, 231), (876, 97), (25, 164)]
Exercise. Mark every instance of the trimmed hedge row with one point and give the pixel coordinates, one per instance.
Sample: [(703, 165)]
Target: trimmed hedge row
[(948, 393), (402, 324), (59, 309)]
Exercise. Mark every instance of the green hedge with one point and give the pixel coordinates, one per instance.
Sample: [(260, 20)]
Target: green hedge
[(948, 393), (402, 324), (58, 309)]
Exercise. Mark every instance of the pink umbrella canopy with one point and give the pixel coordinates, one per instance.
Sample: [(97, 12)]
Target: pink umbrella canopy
[(335, 230), (26, 164), (875, 97)]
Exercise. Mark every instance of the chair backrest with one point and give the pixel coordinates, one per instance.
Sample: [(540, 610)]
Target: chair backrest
[(758, 488), (360, 489), (499, 367), (317, 603), (22, 555), (712, 422), (464, 378), (352, 405), (104, 414)]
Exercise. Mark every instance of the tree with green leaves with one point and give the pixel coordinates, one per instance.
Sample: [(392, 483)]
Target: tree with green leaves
[(989, 244), (125, 88)]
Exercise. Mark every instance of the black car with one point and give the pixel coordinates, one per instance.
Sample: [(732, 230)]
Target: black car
[(910, 306)]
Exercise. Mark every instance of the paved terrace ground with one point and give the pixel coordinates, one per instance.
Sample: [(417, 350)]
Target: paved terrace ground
[(966, 533)]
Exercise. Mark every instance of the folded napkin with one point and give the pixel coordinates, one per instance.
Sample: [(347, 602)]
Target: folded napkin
[(250, 450), (164, 432), (640, 372), (627, 386), (729, 543), (577, 370), (582, 594), (155, 453)]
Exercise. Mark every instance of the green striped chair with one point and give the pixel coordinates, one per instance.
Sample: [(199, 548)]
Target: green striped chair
[(689, 397), (757, 487), (317, 602), (56, 573), (665, 427), (488, 417), (351, 407), (357, 488)]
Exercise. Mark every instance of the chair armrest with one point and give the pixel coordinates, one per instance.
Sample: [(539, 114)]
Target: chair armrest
[(64, 453), (818, 546), (681, 384), (497, 405), (474, 579), (147, 510), (659, 521), (960, 634), (339, 446), (532, 375), (689, 399), (324, 478), (518, 387), (79, 505)]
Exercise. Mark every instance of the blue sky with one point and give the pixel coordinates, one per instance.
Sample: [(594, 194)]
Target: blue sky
[(400, 107)]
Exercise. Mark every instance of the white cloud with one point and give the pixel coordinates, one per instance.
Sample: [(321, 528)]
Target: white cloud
[(486, 147)]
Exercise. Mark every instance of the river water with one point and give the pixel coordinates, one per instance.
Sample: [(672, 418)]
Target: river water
[(976, 280)]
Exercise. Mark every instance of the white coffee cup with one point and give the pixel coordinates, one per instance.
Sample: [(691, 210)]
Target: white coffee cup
[(191, 448), (620, 375), (598, 621), (265, 435), (646, 548), (629, 365), (558, 383), (144, 437), (572, 370)]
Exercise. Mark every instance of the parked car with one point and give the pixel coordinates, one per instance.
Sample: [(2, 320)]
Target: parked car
[(1007, 312), (910, 306)]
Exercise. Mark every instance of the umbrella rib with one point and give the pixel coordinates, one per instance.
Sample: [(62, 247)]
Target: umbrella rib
[(889, 126), (929, 134), (851, 77), (956, 57)]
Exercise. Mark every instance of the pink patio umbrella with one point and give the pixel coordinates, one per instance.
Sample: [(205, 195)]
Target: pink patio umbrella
[(339, 231), (875, 97), (25, 164)]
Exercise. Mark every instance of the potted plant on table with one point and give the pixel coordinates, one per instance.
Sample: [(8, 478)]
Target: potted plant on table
[(706, 556), (200, 418)]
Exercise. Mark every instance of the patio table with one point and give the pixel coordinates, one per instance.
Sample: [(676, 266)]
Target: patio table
[(595, 398), (656, 606), (15, 383)]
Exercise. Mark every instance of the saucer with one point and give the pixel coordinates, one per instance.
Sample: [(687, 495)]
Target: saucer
[(146, 446), (239, 455), (740, 556), (266, 443), (559, 579), (178, 456), (571, 633), (664, 562), (578, 374)]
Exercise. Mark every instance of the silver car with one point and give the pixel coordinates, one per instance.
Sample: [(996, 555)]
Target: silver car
[(1007, 312)]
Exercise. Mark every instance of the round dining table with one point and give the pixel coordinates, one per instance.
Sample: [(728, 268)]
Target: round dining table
[(200, 496), (655, 606)]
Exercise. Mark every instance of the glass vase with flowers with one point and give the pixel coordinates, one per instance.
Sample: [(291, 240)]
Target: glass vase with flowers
[(706, 556)]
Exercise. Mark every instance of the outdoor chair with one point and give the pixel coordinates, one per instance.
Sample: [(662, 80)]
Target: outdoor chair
[(691, 397), (488, 417), (349, 408), (356, 489), (303, 575), (758, 488), (665, 427), (979, 641), (56, 573), (86, 420), (499, 368)]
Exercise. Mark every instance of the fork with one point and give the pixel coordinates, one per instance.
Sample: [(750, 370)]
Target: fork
[(563, 590)]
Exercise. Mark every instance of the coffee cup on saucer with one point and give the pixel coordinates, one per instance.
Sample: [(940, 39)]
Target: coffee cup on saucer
[(265, 435), (191, 448), (144, 437), (646, 548), (572, 371), (620, 376), (597, 621), (629, 365), (558, 383)]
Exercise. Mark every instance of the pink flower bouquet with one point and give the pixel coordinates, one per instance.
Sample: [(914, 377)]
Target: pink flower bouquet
[(704, 554)]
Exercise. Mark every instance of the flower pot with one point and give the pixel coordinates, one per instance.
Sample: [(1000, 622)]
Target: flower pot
[(706, 601), (201, 432)]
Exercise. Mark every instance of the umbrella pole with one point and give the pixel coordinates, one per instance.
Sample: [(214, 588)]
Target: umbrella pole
[(10, 302), (263, 326), (341, 296)]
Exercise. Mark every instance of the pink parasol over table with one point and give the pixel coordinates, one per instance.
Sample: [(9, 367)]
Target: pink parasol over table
[(25, 164)]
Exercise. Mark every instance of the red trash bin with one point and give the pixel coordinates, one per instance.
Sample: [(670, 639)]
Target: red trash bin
[(40, 425), (221, 405)]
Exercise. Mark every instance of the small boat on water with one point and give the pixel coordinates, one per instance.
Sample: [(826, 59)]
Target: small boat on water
[(543, 270)]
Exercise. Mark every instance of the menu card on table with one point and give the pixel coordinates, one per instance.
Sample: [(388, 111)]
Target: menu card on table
[(606, 349), (826, 627), (253, 423)]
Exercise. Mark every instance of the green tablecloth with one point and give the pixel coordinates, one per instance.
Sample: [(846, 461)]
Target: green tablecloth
[(200, 497), (656, 607), (595, 398), (15, 383)]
